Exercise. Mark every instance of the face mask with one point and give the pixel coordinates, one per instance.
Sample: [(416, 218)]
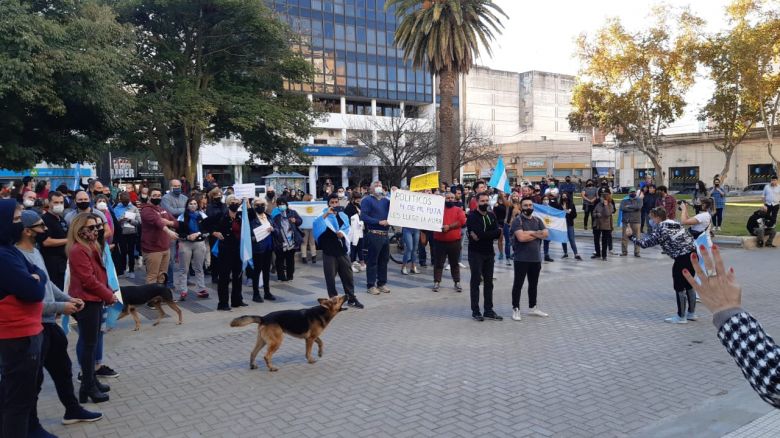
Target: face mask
[(217, 201), (97, 193), (338, 209), (528, 211), (101, 234), (379, 191), (28, 203), (40, 237), (282, 208), (155, 201), (101, 206), (717, 184), (483, 207), (193, 207), (144, 199), (449, 204), (58, 209), (260, 209), (16, 231), (83, 205), (176, 192), (341, 194), (233, 207), (270, 195)]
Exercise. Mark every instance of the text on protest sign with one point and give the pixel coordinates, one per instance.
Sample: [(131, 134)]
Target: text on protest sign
[(242, 191), (416, 210)]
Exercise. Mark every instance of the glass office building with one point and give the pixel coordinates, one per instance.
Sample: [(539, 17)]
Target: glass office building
[(350, 44)]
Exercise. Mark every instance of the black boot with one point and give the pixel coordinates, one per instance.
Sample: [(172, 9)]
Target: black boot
[(269, 297), (92, 393), (314, 258), (102, 387), (256, 297)]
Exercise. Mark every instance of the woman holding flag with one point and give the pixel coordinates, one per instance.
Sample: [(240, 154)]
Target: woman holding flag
[(228, 232)]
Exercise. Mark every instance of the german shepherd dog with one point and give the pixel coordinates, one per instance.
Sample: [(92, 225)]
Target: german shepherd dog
[(155, 294), (307, 324)]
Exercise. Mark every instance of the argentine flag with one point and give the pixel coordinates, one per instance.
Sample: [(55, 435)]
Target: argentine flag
[(246, 238), (499, 179), (554, 220)]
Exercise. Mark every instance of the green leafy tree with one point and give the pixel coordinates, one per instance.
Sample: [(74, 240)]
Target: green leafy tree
[(61, 69), (444, 36), (632, 84), (210, 69), (758, 25), (733, 108)]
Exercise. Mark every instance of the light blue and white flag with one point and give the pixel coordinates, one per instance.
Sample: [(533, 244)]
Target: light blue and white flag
[(246, 238), (499, 179), (554, 220), (77, 180)]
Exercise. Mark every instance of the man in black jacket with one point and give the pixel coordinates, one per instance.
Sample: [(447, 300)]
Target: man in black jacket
[(483, 231), (757, 226)]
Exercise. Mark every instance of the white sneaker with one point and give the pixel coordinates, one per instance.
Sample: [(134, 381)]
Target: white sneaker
[(362, 268), (405, 270), (447, 268), (415, 270), (537, 312), (355, 268), (462, 265), (516, 314)]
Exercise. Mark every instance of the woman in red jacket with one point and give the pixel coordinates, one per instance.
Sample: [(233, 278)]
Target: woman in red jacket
[(448, 242), (88, 281)]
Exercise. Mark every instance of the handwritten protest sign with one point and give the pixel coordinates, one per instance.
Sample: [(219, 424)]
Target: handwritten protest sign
[(416, 210), (428, 180), (242, 191)]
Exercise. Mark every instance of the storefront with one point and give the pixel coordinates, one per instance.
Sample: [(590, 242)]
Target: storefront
[(534, 169), (576, 170), (683, 177)]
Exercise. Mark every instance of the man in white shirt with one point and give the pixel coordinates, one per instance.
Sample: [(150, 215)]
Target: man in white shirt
[(772, 200)]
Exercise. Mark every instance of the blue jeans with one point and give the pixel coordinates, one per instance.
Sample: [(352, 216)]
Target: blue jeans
[(378, 247), (570, 232), (411, 242), (507, 242)]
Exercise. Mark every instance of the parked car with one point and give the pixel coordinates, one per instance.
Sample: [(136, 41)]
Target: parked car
[(756, 189)]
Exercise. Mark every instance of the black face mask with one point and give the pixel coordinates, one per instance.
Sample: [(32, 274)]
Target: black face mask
[(270, 195), (589, 185), (338, 209), (16, 231), (101, 234), (96, 193), (40, 237), (260, 209), (144, 199), (528, 211), (83, 205), (234, 207), (449, 204), (216, 201), (155, 201), (483, 207)]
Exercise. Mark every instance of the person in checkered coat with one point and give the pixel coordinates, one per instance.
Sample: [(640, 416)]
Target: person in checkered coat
[(752, 349)]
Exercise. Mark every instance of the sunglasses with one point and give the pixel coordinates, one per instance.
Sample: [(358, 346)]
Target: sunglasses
[(92, 227)]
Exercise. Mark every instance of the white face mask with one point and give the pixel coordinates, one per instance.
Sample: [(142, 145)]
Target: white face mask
[(379, 191), (58, 209), (28, 203), (193, 207), (101, 206), (341, 194)]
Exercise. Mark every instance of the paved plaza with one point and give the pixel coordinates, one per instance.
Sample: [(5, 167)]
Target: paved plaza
[(413, 363)]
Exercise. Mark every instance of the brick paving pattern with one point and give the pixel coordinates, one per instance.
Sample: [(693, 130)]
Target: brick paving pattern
[(413, 363)]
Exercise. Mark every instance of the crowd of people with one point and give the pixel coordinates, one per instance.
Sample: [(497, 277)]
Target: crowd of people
[(57, 245)]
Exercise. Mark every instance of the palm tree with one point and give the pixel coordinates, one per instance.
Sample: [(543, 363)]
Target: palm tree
[(444, 36)]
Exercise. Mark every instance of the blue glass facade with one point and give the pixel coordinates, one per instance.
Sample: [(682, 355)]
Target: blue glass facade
[(350, 44)]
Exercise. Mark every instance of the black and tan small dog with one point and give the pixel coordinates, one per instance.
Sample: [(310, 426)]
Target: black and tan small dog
[(307, 324), (156, 294)]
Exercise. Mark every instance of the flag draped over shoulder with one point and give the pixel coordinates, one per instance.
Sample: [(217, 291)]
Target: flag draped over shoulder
[(554, 220), (499, 179), (246, 238)]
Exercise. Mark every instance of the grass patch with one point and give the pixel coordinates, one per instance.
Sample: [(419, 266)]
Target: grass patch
[(734, 217)]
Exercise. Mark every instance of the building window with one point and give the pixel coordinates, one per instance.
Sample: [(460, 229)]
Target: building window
[(683, 177), (327, 105)]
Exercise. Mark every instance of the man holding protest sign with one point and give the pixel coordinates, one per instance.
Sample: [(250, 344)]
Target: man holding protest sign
[(373, 212)]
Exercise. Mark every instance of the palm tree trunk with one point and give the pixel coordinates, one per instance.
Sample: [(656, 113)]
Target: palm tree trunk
[(447, 127)]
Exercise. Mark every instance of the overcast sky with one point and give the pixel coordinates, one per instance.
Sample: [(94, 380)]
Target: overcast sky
[(540, 35)]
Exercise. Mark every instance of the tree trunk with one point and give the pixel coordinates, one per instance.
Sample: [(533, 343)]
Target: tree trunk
[(725, 172), (659, 170), (448, 80)]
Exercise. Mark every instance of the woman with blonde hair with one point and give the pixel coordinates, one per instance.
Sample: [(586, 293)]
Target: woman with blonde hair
[(89, 282)]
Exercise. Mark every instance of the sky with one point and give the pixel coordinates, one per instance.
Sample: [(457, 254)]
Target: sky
[(540, 35)]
